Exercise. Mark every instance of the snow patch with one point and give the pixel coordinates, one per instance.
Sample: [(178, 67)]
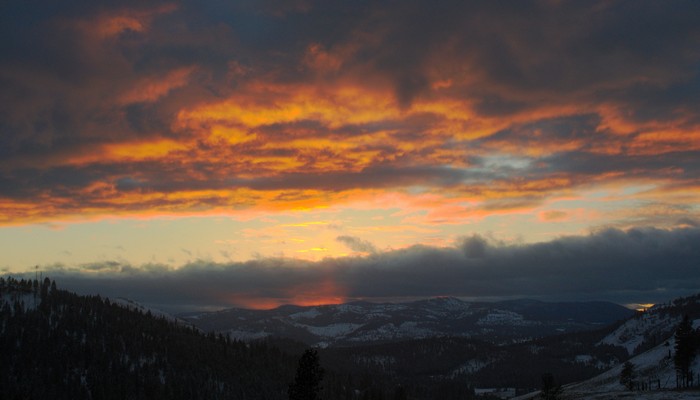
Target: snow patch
[(469, 367), (309, 314), (333, 330), (584, 359), (349, 309), (247, 336), (501, 317)]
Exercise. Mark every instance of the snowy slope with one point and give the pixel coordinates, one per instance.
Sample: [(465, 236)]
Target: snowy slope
[(654, 367), (654, 323), (653, 395)]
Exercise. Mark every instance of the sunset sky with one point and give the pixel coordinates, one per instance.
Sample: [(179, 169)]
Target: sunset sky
[(255, 153)]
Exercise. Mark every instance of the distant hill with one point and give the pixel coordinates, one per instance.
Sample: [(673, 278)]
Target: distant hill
[(363, 322)]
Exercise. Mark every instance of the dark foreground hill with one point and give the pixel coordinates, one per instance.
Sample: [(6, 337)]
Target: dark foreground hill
[(58, 345)]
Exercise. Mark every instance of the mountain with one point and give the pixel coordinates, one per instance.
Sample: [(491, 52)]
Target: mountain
[(363, 322)]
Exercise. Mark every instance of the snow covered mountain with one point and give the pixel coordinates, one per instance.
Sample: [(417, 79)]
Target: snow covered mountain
[(363, 322)]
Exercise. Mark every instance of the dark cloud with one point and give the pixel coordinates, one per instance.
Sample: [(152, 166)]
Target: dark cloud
[(571, 51), (357, 244), (649, 102), (549, 131), (638, 265), (684, 163), (475, 246), (609, 50), (374, 177)]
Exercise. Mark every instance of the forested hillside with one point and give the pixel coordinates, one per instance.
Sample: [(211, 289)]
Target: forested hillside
[(58, 345)]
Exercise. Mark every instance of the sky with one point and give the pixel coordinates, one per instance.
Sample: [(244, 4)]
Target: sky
[(258, 153)]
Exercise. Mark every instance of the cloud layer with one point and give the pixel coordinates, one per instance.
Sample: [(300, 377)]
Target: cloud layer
[(636, 266), (172, 108)]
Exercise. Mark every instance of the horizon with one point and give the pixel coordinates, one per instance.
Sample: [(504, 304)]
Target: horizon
[(642, 307), (257, 154), (188, 309)]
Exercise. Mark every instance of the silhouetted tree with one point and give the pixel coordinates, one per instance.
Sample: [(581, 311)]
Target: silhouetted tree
[(627, 375), (308, 377), (685, 352), (400, 393), (550, 390)]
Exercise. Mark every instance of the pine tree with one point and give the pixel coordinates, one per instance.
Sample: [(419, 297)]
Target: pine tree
[(308, 377), (627, 375), (400, 393), (550, 390), (685, 352)]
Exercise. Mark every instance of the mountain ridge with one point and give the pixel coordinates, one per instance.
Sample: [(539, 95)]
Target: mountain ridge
[(360, 322)]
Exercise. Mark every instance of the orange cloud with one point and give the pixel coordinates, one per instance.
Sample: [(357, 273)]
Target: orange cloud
[(238, 129), (152, 89), (122, 152), (109, 25), (265, 104), (114, 25), (319, 59), (652, 136), (553, 215)]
